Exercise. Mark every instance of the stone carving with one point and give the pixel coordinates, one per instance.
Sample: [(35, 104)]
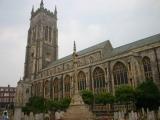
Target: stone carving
[(19, 94)]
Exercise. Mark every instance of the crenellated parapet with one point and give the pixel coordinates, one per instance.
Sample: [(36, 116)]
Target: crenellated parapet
[(43, 10)]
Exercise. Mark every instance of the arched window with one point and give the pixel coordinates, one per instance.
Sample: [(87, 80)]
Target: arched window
[(147, 68), (67, 86), (99, 80), (81, 81), (55, 89), (120, 74), (47, 89)]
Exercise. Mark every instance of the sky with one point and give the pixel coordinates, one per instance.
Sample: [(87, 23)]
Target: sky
[(88, 22)]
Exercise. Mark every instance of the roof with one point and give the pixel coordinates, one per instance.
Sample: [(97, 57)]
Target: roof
[(113, 52), (136, 44), (82, 52)]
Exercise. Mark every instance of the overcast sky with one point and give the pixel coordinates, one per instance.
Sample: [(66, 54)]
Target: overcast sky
[(88, 22)]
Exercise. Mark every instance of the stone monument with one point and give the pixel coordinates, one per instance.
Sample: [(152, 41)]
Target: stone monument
[(23, 92), (77, 109)]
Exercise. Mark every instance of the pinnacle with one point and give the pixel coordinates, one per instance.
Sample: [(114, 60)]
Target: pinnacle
[(32, 8), (74, 46), (41, 4)]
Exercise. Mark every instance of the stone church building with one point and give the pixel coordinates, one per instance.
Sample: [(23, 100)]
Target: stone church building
[(101, 68)]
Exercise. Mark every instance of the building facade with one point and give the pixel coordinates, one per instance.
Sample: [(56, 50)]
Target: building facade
[(7, 95), (101, 68)]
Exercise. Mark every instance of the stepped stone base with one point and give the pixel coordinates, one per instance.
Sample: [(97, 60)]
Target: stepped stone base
[(17, 113), (78, 112)]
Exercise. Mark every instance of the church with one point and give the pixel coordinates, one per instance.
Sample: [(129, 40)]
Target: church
[(100, 68)]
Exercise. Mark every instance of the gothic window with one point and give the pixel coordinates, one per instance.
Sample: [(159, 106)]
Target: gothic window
[(99, 80), (55, 89), (47, 89), (120, 74), (67, 86), (147, 68), (81, 81)]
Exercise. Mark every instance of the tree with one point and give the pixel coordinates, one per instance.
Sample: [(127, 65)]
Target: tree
[(55, 105), (87, 97), (104, 98), (35, 104), (125, 94), (147, 95), (64, 103), (40, 105)]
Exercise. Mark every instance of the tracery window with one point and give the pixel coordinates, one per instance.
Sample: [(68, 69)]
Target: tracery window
[(67, 86), (120, 74), (99, 80), (55, 89), (147, 68), (81, 81)]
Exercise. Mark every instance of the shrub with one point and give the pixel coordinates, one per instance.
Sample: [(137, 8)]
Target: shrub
[(147, 95), (104, 98), (87, 97), (125, 94)]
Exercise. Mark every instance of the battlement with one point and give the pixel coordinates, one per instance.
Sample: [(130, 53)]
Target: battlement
[(48, 12), (44, 10)]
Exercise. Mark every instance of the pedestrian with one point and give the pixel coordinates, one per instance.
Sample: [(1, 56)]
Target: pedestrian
[(58, 115), (5, 115)]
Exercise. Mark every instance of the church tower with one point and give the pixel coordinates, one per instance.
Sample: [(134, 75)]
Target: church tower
[(42, 43)]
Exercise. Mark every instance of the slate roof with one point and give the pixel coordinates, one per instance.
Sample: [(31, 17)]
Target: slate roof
[(115, 51), (136, 44), (82, 52)]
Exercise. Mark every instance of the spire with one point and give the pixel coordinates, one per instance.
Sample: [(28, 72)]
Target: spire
[(41, 4), (55, 11), (32, 9), (74, 49)]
